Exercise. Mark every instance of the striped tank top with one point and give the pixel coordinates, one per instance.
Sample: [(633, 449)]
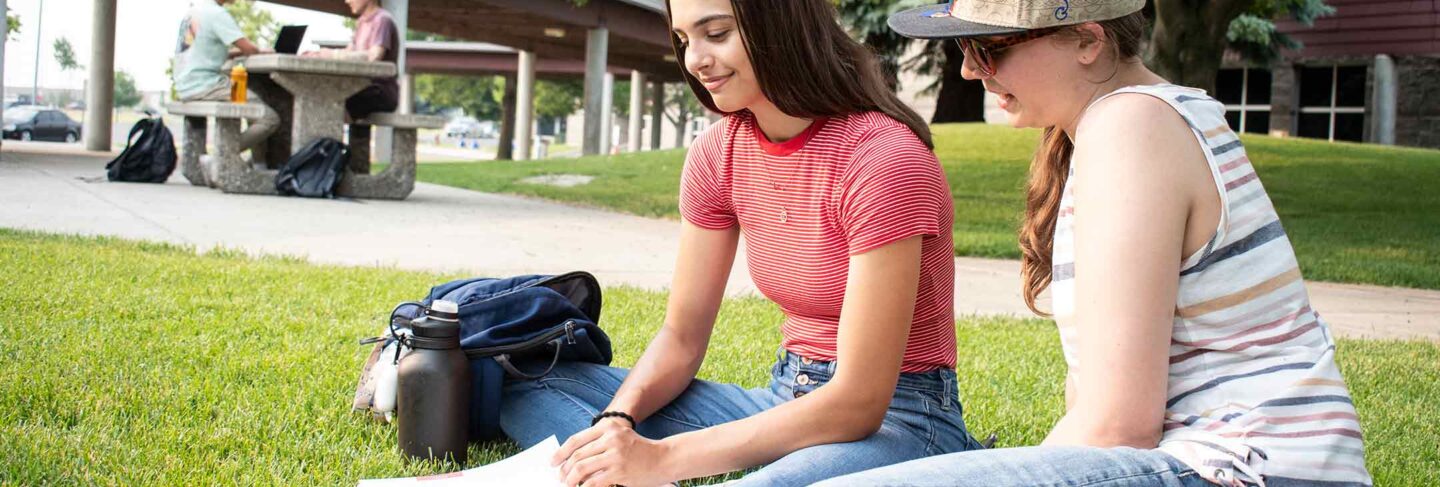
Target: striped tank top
[(1254, 394)]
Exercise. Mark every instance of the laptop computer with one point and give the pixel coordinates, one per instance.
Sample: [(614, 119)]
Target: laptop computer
[(288, 41)]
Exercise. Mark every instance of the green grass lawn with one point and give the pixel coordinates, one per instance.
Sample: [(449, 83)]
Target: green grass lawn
[(1355, 213), (130, 363)]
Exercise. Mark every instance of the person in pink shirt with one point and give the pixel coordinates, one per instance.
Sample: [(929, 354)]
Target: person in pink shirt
[(847, 220), (376, 39)]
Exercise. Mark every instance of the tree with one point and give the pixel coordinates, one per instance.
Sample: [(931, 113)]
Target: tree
[(125, 93), (681, 106), (65, 55), (1253, 33), (257, 24), (866, 20), (476, 95), (12, 22), (1190, 36), (558, 98), (957, 100)]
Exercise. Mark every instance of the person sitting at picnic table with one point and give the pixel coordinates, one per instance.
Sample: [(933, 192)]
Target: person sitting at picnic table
[(200, 73), (376, 39)]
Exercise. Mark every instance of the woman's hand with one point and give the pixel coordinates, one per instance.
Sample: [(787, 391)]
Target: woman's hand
[(611, 453)]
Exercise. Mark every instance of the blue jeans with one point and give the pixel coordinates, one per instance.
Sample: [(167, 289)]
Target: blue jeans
[(1050, 466), (924, 417)]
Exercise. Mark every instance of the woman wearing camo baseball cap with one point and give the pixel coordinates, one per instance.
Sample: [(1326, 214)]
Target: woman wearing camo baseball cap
[(1194, 355)]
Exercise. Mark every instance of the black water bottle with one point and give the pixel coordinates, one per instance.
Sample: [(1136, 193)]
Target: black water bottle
[(433, 394)]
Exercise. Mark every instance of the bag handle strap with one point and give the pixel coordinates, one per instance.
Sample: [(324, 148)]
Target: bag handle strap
[(504, 360), (140, 125)]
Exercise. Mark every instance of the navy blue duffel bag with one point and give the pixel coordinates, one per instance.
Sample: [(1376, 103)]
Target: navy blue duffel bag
[(521, 326)]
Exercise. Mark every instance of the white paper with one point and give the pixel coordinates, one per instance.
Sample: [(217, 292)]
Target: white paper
[(530, 468)]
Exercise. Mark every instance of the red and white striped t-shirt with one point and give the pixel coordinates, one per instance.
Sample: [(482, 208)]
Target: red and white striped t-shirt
[(845, 186)]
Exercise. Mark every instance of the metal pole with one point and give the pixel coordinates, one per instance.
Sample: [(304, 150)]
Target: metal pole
[(100, 96), (525, 105), (4, 33), (596, 49), (35, 84)]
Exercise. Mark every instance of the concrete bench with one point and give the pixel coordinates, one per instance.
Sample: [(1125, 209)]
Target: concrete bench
[(397, 180), (226, 170)]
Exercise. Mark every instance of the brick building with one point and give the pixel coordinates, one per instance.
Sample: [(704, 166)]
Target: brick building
[(1368, 73)]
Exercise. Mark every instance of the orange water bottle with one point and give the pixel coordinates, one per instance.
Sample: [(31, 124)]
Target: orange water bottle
[(238, 79)]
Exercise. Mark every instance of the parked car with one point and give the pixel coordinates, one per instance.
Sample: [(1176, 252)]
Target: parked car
[(40, 124), (463, 127)]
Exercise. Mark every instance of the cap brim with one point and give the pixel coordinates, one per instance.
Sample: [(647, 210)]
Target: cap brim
[(922, 23)]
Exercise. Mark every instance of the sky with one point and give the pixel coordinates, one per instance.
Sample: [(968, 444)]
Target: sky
[(144, 38)]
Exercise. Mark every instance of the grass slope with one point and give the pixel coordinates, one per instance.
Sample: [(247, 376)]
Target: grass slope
[(129, 363), (1355, 213)]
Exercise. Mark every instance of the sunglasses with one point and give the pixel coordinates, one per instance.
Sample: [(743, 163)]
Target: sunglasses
[(986, 53)]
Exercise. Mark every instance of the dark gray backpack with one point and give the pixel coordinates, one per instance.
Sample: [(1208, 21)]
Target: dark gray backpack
[(315, 170), (149, 155)]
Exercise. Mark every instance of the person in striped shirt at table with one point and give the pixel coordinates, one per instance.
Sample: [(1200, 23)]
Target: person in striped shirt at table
[(1194, 355), (847, 219)]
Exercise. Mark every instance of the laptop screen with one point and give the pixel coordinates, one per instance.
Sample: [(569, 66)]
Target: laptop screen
[(288, 41)]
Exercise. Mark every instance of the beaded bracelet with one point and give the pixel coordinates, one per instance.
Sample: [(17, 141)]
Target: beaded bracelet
[(613, 414)]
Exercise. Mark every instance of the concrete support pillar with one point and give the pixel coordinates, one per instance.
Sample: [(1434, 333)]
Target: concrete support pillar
[(607, 114), (525, 106), (597, 43), (400, 11), (657, 112), (1383, 104), (407, 94), (384, 137), (505, 146), (100, 98), (637, 110)]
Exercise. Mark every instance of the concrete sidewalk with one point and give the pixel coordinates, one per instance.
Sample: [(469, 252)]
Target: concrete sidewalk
[(55, 188)]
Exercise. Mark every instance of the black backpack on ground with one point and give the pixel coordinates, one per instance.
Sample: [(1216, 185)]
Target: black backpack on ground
[(315, 170), (148, 157)]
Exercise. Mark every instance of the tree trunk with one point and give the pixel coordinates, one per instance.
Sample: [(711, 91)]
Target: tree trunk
[(680, 121), (960, 100), (504, 149), (1188, 43)]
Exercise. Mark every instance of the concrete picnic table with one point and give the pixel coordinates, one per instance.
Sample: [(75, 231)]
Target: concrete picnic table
[(309, 95)]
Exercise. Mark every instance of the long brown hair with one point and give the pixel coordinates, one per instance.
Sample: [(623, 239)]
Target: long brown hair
[(1051, 167), (806, 64)]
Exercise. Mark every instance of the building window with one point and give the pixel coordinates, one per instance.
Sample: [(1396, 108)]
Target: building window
[(1246, 95), (1332, 103)]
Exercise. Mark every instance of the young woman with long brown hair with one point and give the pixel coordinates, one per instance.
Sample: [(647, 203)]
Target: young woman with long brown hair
[(847, 220), (1194, 355)]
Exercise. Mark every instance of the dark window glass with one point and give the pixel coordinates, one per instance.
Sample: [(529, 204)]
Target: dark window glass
[(1314, 125), (1259, 87), (1350, 84), (1315, 86), (1233, 117), (1228, 83), (1350, 126), (46, 117), (1257, 122)]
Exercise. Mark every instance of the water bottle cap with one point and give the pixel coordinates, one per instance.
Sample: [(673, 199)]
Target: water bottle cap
[(444, 310)]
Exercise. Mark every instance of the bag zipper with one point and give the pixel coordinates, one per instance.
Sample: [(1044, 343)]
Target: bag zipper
[(568, 331)]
